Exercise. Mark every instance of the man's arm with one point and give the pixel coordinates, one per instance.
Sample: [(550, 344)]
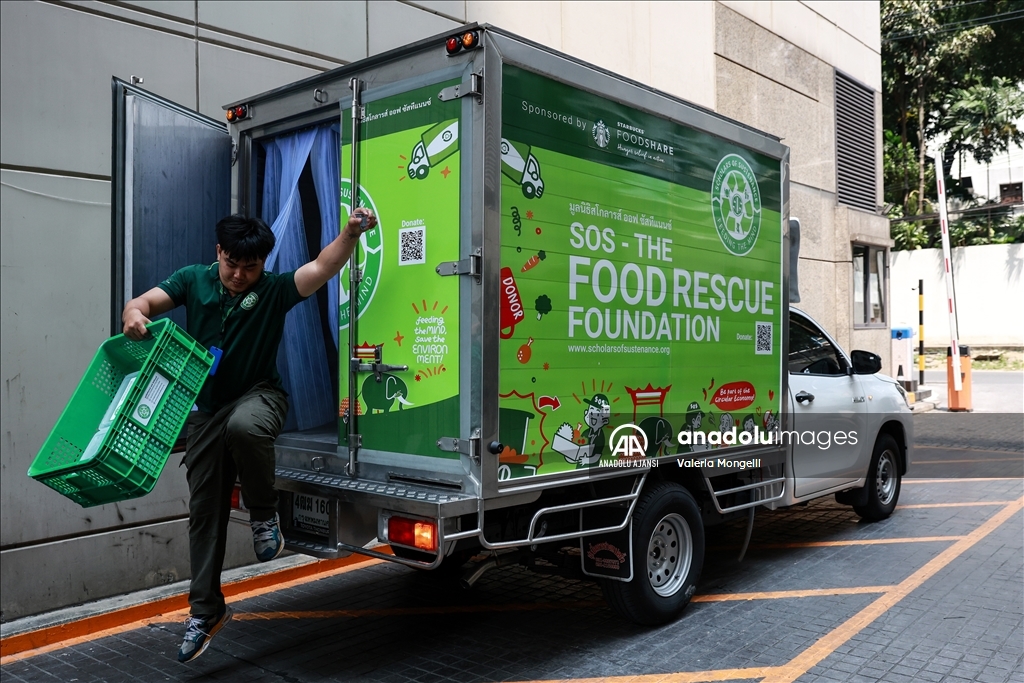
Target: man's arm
[(139, 310), (334, 256)]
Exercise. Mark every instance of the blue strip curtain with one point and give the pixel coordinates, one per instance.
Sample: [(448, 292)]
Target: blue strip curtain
[(326, 164), (302, 359)]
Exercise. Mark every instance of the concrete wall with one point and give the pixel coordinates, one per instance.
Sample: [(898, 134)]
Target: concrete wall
[(989, 293), (775, 65), (765, 63)]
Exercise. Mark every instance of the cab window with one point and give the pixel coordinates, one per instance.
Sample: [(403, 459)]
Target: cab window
[(810, 351)]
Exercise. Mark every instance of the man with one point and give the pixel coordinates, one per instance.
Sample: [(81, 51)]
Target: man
[(236, 309)]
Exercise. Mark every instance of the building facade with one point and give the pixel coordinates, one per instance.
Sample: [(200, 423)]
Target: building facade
[(807, 72)]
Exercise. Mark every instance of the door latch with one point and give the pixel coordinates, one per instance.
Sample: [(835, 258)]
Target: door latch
[(467, 266), (374, 353)]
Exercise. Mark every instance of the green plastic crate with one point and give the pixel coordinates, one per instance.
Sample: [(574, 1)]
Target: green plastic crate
[(135, 449)]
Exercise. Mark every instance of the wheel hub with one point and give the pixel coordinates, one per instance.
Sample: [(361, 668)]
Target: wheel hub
[(669, 554)]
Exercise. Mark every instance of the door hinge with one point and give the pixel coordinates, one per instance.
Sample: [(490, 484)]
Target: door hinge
[(450, 444), (467, 266), (475, 87)]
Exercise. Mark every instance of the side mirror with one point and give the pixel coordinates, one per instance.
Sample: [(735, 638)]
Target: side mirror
[(865, 362)]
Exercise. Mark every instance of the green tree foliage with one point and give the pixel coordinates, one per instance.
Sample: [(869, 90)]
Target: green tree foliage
[(982, 119), (951, 68)]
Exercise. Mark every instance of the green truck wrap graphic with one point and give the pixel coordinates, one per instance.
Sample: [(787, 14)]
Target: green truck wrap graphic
[(641, 281), (410, 167)]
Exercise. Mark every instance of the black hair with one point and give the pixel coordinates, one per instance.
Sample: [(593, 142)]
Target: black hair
[(244, 238)]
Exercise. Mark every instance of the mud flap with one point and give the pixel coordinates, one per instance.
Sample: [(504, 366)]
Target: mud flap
[(609, 555)]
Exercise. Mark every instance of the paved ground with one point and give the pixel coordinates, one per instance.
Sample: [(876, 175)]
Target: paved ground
[(992, 391), (934, 593)]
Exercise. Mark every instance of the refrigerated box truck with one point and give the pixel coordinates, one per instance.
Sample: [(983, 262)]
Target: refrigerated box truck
[(565, 345)]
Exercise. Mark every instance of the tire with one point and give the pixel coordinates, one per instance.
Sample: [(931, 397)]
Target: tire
[(664, 575), (883, 483)]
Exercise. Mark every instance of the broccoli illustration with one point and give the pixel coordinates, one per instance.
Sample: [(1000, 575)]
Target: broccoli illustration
[(543, 305)]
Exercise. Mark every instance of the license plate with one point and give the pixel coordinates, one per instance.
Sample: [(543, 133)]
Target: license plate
[(311, 513)]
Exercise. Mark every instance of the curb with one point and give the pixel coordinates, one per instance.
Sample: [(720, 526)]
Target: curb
[(75, 628)]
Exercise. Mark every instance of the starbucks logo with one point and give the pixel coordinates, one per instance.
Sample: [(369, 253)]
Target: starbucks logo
[(249, 301), (736, 204), (143, 411), (601, 134), (369, 257)]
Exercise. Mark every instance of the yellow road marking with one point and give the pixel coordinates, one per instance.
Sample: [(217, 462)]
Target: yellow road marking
[(957, 462), (860, 541), (918, 506), (828, 643), (412, 611), (946, 448), (777, 595), (529, 607), (958, 481)]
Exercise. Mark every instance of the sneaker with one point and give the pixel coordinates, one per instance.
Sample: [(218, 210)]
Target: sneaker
[(198, 633), (267, 539)]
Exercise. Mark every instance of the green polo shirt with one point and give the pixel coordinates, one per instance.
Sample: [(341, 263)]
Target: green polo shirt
[(248, 327)]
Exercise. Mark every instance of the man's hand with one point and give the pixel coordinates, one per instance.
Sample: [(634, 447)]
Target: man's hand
[(137, 311), (135, 324), (355, 221), (335, 255)]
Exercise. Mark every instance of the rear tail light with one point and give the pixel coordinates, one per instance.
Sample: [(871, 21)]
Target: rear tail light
[(415, 533), (239, 113), (236, 498), (463, 41)]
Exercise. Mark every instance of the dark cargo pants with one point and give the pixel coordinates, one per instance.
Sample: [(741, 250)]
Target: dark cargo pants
[(237, 441)]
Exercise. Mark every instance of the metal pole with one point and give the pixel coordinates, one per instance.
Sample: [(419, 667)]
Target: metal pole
[(353, 285), (947, 258), (920, 332)]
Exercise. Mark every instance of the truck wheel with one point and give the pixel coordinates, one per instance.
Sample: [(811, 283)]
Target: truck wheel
[(668, 555), (883, 484)]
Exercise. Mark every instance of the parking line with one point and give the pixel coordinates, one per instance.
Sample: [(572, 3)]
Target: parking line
[(778, 595), (828, 643), (962, 480), (919, 506), (957, 462), (860, 541), (537, 606)]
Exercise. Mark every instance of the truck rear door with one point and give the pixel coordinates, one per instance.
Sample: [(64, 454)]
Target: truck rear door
[(171, 177), (404, 352)]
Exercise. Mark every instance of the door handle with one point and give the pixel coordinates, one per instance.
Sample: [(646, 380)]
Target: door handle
[(804, 396)]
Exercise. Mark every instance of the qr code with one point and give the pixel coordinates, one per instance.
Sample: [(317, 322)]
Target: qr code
[(763, 339), (412, 246)]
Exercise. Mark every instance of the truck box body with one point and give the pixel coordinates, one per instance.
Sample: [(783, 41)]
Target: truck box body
[(560, 252), (575, 280)]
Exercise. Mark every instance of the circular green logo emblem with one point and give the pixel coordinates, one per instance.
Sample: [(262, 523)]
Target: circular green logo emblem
[(143, 411), (249, 301), (369, 258), (736, 204)]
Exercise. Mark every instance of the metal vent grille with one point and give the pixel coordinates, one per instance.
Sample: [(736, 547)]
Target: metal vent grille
[(855, 144)]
